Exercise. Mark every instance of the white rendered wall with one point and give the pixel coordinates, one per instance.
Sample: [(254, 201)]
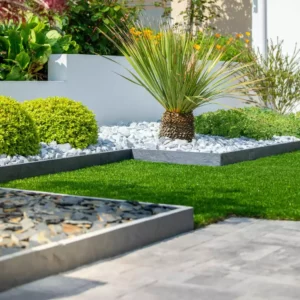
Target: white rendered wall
[(283, 22), (276, 19), (259, 25), (93, 81)]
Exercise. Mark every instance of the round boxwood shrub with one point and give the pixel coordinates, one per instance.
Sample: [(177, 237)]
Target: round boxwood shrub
[(18, 133), (63, 120), (250, 122)]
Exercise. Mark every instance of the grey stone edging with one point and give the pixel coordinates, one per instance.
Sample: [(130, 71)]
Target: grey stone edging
[(45, 167), (53, 258), (213, 159), (260, 152), (178, 157), (52, 166)]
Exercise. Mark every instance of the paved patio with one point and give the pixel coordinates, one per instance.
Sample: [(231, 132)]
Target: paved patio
[(238, 259)]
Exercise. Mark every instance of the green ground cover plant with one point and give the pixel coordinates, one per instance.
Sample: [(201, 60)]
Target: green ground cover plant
[(63, 120), (266, 188), (249, 122)]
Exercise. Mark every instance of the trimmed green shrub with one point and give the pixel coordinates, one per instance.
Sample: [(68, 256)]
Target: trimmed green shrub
[(18, 133), (251, 122), (63, 120)]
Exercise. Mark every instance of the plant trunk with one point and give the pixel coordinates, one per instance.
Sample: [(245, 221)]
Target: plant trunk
[(177, 126)]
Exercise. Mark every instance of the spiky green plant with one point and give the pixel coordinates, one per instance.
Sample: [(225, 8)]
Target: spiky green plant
[(178, 73)]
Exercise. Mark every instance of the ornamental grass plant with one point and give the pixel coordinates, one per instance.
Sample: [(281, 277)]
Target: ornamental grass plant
[(180, 72), (278, 74)]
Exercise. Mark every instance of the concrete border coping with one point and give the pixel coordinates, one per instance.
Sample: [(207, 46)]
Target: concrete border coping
[(178, 157), (20, 171), (56, 257), (52, 166), (213, 159)]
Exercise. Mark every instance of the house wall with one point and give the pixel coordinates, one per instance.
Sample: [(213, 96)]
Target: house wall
[(283, 23), (95, 82), (236, 15)]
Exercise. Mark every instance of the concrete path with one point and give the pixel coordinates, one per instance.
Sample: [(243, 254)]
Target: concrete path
[(239, 259)]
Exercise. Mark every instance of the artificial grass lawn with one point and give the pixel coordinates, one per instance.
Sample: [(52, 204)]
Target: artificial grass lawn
[(266, 188)]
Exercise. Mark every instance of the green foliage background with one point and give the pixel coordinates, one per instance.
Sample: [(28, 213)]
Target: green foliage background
[(25, 48), (86, 20)]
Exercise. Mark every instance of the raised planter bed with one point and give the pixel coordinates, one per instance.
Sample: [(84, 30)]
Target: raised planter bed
[(25, 170), (161, 222)]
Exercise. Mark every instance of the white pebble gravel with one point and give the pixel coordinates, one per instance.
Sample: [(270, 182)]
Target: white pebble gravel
[(143, 135)]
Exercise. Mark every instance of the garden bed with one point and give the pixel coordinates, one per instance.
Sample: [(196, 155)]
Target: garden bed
[(140, 141), (43, 234), (32, 169)]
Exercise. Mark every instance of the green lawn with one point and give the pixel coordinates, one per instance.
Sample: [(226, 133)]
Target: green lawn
[(265, 188)]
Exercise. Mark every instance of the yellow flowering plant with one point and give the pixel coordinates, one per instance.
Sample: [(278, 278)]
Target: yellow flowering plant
[(233, 46)]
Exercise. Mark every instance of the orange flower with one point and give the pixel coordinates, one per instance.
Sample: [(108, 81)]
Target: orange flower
[(217, 35), (197, 47), (159, 35), (247, 41), (219, 47), (230, 39), (248, 33), (239, 35)]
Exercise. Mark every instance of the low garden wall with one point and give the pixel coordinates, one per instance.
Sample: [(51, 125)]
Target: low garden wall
[(95, 82)]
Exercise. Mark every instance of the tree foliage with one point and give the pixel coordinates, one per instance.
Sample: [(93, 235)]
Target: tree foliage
[(16, 9)]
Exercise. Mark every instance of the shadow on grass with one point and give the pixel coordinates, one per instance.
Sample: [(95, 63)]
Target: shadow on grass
[(219, 203)]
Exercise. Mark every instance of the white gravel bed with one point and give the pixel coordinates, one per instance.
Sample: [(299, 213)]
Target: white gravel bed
[(144, 135)]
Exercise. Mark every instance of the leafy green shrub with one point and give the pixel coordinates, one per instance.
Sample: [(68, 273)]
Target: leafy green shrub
[(63, 120), (251, 122), (25, 48), (87, 20), (18, 134)]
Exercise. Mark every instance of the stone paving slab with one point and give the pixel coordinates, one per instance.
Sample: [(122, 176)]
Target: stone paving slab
[(238, 259)]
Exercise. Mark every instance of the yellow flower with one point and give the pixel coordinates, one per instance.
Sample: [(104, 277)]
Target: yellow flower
[(132, 30), (138, 33), (219, 47), (148, 33), (197, 47), (248, 33), (247, 41), (217, 35)]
